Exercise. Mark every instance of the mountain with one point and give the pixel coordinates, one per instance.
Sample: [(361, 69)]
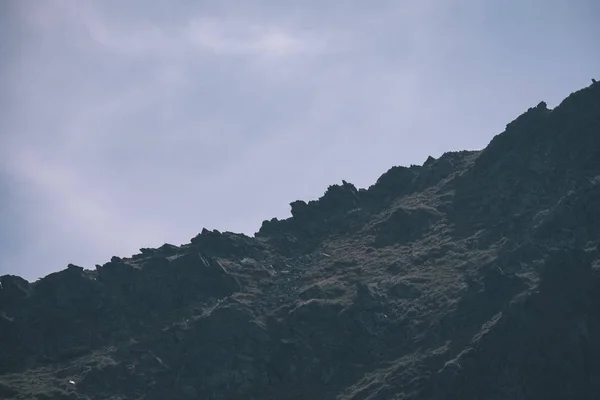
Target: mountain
[(473, 276)]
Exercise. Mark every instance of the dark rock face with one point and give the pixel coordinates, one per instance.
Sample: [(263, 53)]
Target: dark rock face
[(73, 311), (395, 182), (336, 212), (404, 225), (552, 334), (14, 288), (474, 276)]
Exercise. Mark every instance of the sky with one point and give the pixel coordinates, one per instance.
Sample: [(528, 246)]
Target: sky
[(132, 124)]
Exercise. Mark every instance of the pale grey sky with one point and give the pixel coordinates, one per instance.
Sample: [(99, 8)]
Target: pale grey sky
[(128, 124)]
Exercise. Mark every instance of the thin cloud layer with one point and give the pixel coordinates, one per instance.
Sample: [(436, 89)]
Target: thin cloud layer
[(130, 124)]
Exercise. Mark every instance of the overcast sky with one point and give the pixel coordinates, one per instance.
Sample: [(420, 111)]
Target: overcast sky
[(128, 124)]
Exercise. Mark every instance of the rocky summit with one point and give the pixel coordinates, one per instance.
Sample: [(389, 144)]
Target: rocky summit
[(473, 276)]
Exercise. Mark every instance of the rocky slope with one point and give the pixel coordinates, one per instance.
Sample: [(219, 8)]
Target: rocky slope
[(473, 276)]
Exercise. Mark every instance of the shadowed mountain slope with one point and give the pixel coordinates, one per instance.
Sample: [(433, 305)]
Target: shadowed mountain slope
[(473, 276)]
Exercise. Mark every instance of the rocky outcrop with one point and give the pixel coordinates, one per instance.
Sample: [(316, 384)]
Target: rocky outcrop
[(13, 289), (74, 311), (226, 244), (338, 210)]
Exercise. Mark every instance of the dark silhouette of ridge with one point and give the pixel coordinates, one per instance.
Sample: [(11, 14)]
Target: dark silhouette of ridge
[(473, 276)]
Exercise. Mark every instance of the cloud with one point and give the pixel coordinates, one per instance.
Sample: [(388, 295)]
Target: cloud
[(129, 124), (221, 38)]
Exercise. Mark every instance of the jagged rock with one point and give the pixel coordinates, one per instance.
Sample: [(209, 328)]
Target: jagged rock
[(226, 244), (336, 200), (436, 170), (335, 211), (13, 289), (168, 249), (67, 288), (430, 160), (395, 182), (202, 275)]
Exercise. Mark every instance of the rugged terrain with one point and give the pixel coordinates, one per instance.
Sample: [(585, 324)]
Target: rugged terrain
[(473, 276)]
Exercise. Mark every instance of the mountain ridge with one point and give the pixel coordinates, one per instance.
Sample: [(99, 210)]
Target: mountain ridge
[(474, 275)]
